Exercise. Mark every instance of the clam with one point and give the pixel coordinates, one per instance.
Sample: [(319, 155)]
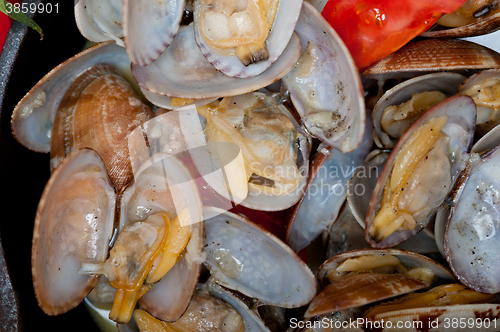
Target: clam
[(182, 71), (360, 277), (99, 20), (434, 55), (98, 111), (326, 192), (149, 27), (243, 257), (270, 156), (473, 18), (33, 117), (437, 318), (243, 38), (484, 89), (324, 85), (420, 172), (359, 192), (73, 226), (212, 307), (470, 236), (402, 105)]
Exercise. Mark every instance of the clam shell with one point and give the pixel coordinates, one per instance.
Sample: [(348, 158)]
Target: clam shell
[(487, 25), (362, 184), (437, 319), (33, 116), (489, 141), (359, 191), (325, 79), (461, 113), (444, 82), (243, 257), (325, 194), (99, 111), (478, 80), (436, 55), (214, 171), (251, 318), (286, 17), (163, 183), (407, 258), (361, 289), (471, 240), (100, 20), (149, 27), (166, 102), (73, 225), (182, 71)]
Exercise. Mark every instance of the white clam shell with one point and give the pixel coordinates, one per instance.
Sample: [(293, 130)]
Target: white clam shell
[(326, 80), (325, 194), (72, 227), (471, 238), (251, 319), (100, 20), (182, 71), (282, 30), (243, 257)]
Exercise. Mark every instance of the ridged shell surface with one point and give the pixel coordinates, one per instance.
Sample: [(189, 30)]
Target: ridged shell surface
[(99, 111)]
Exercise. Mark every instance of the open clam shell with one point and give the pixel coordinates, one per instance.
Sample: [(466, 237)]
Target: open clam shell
[(167, 102), (33, 117), (99, 111), (444, 82), (359, 192), (73, 226), (481, 88), (241, 142), (325, 194), (457, 117), (100, 20), (487, 23), (324, 85), (243, 257), (431, 55), (362, 184), (230, 65), (251, 318), (407, 258), (149, 27), (182, 71), (470, 240), (360, 289)]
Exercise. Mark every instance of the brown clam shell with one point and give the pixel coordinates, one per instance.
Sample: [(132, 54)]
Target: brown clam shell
[(481, 27), (99, 110), (73, 226), (360, 289), (436, 55)]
